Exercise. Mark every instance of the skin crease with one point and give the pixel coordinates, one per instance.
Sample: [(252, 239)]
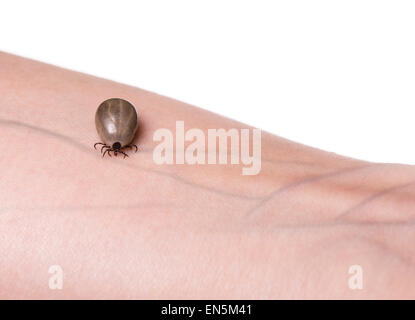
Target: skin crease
[(134, 229)]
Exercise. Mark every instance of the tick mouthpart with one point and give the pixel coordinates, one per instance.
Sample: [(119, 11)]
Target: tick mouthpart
[(116, 146)]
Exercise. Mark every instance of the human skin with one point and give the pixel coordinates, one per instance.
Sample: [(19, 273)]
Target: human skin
[(130, 228)]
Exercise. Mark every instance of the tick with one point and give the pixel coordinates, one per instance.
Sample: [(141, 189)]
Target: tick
[(116, 121)]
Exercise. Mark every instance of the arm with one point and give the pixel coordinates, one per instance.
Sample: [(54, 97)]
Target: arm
[(134, 229)]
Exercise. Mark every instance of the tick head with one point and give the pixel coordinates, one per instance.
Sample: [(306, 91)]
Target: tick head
[(116, 146)]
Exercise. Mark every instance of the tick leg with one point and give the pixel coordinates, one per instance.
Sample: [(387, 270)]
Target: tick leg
[(131, 146), (98, 143), (105, 146), (108, 150), (125, 155)]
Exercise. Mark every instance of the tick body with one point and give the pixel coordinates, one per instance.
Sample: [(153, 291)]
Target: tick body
[(116, 121)]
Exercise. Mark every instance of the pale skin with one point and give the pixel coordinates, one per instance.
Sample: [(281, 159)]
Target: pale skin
[(129, 228)]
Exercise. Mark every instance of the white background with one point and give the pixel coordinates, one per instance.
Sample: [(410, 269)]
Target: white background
[(337, 75)]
